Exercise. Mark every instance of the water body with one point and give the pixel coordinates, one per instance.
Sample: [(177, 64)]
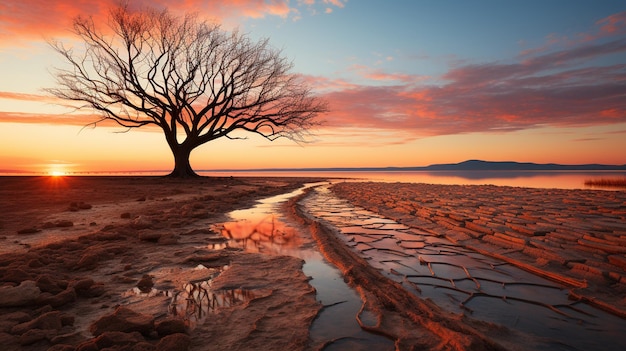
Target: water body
[(532, 179)]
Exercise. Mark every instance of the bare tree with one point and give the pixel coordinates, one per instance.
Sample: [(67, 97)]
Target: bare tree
[(188, 77)]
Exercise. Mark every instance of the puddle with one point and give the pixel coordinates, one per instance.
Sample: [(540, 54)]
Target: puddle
[(263, 234), (195, 300), (465, 282)]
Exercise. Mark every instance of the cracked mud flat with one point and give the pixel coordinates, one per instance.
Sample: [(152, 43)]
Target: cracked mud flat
[(542, 263), (135, 266)]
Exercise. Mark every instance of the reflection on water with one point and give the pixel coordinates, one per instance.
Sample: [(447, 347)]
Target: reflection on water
[(530, 179), (465, 282), (195, 300), (263, 233), (262, 229)]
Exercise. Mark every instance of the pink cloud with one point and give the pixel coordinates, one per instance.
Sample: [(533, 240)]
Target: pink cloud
[(31, 20), (562, 88), (614, 24), (337, 3), (380, 75)]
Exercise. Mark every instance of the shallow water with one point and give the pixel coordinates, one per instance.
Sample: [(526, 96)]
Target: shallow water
[(264, 229), (465, 282), (530, 179), (195, 300)]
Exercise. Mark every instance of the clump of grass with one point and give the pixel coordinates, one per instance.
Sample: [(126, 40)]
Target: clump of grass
[(607, 182)]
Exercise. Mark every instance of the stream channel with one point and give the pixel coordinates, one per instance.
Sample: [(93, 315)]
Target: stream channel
[(458, 280), (336, 326)]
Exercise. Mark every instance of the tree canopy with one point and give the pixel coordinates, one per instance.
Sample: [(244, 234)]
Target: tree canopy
[(190, 78)]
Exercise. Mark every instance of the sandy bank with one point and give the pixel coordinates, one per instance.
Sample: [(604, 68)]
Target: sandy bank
[(576, 237), (96, 262)]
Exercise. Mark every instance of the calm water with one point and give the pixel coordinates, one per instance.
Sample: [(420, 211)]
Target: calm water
[(529, 179), (554, 179)]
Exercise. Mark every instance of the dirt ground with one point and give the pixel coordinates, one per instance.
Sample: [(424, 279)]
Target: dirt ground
[(133, 263), (127, 263)]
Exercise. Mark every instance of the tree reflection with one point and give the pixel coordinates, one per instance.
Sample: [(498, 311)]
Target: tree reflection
[(197, 300)]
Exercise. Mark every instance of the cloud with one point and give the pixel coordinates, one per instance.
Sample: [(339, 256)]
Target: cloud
[(614, 24), (42, 118), (581, 85), (32, 20), (578, 84), (337, 3), (382, 76), (28, 97)]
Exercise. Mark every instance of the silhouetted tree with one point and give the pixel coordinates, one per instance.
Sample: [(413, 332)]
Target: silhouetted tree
[(190, 78)]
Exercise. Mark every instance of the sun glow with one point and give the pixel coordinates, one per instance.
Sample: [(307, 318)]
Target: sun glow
[(57, 173)]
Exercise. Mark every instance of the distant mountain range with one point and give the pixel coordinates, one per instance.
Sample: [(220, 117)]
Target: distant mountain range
[(470, 165), (478, 165)]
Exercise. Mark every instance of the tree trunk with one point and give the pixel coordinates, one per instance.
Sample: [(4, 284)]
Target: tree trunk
[(182, 167)]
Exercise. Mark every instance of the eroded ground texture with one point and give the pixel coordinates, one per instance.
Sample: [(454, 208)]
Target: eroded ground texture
[(574, 237), (123, 263)]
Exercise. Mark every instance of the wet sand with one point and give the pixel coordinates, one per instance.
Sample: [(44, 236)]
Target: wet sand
[(574, 237), (90, 263)]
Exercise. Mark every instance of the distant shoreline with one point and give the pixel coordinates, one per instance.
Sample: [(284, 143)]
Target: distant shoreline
[(470, 165)]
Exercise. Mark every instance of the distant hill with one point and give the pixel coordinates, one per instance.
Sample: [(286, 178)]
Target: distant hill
[(478, 165)]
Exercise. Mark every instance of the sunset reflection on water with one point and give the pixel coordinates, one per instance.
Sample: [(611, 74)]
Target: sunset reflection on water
[(261, 233)]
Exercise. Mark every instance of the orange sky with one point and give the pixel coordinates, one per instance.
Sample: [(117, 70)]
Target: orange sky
[(408, 84)]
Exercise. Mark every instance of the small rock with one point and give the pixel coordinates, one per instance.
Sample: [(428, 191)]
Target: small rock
[(31, 230), (82, 286), (84, 206), (168, 239), (142, 222), (174, 342), (25, 293), (16, 276), (17, 317), (48, 225), (124, 320), (33, 335), (63, 298), (92, 257), (45, 283), (63, 223), (51, 320), (145, 284), (149, 236), (35, 263), (76, 206), (116, 338), (170, 326)]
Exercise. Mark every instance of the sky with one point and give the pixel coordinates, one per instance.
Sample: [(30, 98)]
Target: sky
[(408, 83)]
